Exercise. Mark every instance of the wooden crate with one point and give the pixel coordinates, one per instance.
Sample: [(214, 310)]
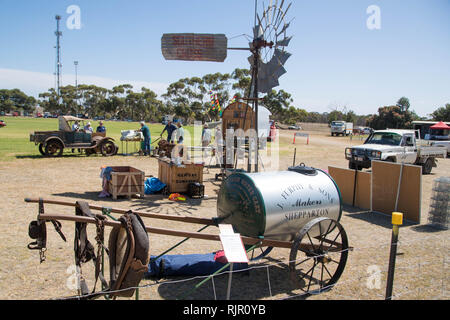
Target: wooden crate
[(126, 181), (178, 178)]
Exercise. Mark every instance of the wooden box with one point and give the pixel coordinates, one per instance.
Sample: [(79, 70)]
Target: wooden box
[(126, 181), (178, 179)]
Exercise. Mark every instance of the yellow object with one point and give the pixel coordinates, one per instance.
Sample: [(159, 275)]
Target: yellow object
[(397, 218), (177, 197)]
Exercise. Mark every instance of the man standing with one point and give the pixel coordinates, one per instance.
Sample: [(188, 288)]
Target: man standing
[(100, 127), (146, 133), (170, 128), (206, 136), (180, 133)]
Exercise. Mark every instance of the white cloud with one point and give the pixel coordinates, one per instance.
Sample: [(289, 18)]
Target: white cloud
[(33, 83)]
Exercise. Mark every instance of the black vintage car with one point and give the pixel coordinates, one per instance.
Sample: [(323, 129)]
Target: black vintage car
[(52, 143)]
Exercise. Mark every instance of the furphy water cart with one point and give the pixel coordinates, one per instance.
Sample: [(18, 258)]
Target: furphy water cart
[(298, 209)]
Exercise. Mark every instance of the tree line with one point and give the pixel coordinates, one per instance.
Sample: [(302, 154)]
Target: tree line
[(190, 99)]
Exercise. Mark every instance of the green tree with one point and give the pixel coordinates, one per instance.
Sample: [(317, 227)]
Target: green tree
[(441, 114), (16, 100), (391, 117), (403, 103)]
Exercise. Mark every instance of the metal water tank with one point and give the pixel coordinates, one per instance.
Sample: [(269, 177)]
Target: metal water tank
[(278, 204)]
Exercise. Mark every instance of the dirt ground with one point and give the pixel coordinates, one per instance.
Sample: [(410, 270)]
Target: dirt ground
[(422, 269)]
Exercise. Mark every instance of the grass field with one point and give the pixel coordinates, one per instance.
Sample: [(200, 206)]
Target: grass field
[(15, 136)]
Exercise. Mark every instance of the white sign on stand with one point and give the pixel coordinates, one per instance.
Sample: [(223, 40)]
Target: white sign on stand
[(232, 244), (233, 248)]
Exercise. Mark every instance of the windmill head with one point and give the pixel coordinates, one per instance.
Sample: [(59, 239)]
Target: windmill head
[(269, 45)]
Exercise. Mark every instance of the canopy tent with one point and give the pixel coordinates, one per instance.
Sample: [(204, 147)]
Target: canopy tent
[(440, 125)]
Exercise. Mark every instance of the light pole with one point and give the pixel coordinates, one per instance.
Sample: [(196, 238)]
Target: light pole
[(76, 80)]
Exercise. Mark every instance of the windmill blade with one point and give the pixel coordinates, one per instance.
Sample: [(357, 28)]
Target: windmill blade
[(284, 42), (274, 11), (284, 29), (284, 14), (282, 56), (279, 13), (259, 32)]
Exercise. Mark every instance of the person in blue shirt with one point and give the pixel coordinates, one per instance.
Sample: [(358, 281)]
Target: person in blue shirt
[(170, 128), (101, 127), (147, 138)]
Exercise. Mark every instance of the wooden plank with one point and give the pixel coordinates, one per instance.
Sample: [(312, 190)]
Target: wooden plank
[(385, 176), (187, 219), (345, 179), (363, 194)]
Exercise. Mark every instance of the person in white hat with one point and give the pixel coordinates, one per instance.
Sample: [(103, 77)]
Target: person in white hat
[(88, 128)]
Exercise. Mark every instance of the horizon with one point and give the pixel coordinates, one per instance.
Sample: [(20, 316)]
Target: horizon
[(345, 55)]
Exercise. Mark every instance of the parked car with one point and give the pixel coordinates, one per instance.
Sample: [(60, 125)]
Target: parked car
[(294, 127), (394, 145), (2, 123)]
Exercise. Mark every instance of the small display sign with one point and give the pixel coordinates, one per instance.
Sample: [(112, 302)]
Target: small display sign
[(232, 244), (194, 46)]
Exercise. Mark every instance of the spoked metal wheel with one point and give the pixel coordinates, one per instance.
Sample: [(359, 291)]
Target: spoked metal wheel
[(53, 149), (108, 148), (318, 255)]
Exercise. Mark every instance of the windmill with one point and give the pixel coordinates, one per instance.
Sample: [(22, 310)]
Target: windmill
[(268, 53), (268, 49)]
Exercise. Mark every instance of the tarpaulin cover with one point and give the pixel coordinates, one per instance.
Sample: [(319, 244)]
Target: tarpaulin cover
[(187, 265), (153, 185)]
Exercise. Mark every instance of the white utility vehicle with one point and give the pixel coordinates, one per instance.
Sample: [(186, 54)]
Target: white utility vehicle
[(341, 127), (394, 145)]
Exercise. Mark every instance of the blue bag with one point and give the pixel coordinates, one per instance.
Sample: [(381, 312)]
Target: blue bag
[(153, 185)]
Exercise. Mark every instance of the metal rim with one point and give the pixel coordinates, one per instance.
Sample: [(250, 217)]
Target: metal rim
[(317, 262), (108, 148), (53, 149)]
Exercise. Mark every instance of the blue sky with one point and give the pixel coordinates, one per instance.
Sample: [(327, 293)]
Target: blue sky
[(336, 60)]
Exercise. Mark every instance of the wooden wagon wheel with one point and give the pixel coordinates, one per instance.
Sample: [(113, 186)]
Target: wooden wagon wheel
[(323, 247)]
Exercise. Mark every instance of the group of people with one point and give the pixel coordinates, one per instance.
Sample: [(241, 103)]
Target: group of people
[(87, 128), (174, 133)]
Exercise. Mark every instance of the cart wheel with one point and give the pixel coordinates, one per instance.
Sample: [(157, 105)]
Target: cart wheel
[(324, 243), (260, 252), (108, 148)]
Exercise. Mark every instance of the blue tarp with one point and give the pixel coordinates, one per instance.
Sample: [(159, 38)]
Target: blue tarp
[(186, 265), (153, 185)]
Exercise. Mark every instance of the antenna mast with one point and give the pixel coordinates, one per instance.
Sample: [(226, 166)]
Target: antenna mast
[(58, 55)]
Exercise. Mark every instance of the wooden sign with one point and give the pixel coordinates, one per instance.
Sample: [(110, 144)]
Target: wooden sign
[(194, 46)]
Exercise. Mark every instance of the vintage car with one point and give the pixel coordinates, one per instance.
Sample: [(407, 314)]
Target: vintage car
[(52, 143)]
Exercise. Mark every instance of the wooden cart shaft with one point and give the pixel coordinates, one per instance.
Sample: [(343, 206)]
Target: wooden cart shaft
[(169, 232)]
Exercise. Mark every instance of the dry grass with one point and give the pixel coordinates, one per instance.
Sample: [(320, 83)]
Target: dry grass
[(422, 270)]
